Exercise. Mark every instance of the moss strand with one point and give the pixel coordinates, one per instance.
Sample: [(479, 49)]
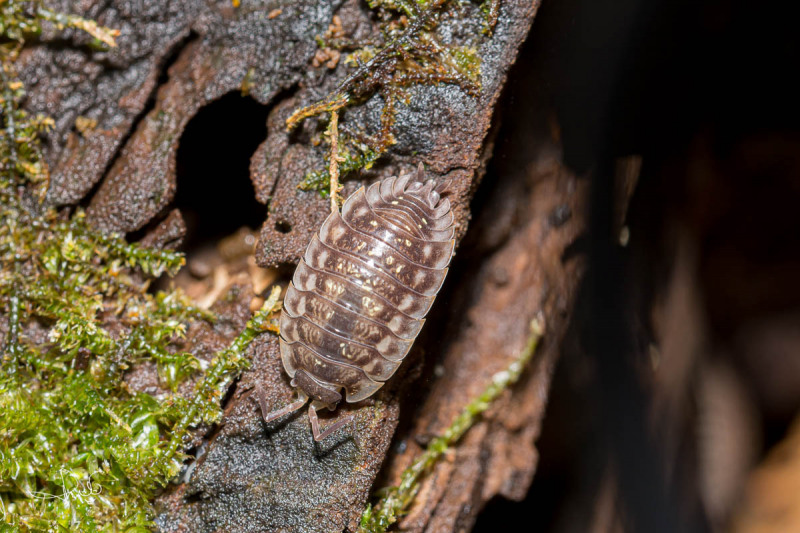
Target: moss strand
[(398, 499)]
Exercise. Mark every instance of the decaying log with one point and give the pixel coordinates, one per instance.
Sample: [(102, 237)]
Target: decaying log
[(174, 60)]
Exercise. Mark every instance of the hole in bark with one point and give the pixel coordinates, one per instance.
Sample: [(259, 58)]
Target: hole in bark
[(214, 191), (283, 227), (163, 77)]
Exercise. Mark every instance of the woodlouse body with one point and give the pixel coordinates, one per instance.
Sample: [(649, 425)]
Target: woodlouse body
[(360, 294)]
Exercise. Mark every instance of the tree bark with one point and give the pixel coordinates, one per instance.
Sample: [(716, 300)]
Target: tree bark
[(514, 265)]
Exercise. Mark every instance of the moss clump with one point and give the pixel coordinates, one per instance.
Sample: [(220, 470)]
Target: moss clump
[(412, 53), (353, 157), (80, 450)]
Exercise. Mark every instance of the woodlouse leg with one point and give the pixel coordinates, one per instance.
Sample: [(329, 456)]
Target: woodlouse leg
[(294, 406), (318, 436)]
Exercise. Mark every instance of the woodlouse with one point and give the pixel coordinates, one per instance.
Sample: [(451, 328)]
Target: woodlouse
[(360, 294)]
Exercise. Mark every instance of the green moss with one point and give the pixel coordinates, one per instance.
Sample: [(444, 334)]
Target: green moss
[(467, 62), (396, 500), (80, 450), (19, 18), (320, 180), (412, 54)]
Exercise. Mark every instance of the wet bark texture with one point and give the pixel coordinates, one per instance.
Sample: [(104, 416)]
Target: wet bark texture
[(516, 262)]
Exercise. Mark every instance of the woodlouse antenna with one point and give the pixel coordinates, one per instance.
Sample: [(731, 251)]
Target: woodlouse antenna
[(268, 417), (312, 416), (302, 399)]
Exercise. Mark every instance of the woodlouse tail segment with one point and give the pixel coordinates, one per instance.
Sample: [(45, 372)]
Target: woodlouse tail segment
[(426, 192), (432, 195), (442, 188), (315, 429), (420, 176), (420, 172)]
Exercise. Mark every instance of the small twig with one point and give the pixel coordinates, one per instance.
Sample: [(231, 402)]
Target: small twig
[(344, 94), (333, 132), (331, 104), (105, 35), (398, 499)]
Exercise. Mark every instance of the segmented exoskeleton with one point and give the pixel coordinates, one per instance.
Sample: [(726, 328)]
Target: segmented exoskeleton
[(360, 294)]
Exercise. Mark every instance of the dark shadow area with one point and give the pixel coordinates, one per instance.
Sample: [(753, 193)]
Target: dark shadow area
[(572, 460), (706, 95), (214, 191)]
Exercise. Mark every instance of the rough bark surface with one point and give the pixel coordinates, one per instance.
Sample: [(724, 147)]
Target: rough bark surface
[(534, 215), (173, 60)]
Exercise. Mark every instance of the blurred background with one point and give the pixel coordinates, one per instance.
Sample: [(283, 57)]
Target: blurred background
[(675, 403)]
